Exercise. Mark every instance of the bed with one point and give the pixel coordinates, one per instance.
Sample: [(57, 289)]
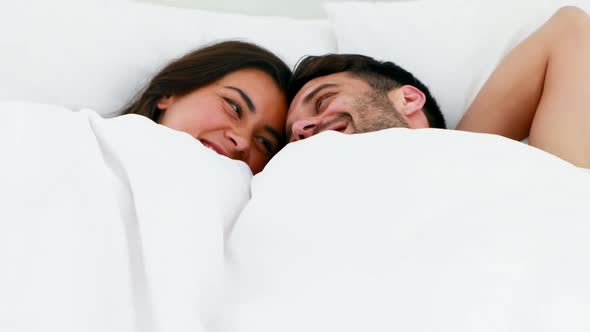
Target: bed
[(117, 224)]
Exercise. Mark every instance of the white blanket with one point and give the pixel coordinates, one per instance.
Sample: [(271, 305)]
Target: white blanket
[(416, 231), (110, 225), (119, 224)]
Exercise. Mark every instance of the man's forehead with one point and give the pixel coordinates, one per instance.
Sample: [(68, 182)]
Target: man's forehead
[(341, 79)]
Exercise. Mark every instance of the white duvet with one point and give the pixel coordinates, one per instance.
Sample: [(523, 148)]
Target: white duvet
[(412, 230), (109, 225), (124, 225)]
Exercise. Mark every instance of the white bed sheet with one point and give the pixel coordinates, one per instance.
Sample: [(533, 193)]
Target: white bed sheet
[(110, 225), (412, 230)]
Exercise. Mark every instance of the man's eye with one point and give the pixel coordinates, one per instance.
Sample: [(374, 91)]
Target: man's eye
[(320, 102), (235, 107)]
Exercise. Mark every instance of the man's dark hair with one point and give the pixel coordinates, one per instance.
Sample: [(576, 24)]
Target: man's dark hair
[(383, 76)]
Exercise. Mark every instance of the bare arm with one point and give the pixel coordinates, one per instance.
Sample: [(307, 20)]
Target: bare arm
[(541, 89)]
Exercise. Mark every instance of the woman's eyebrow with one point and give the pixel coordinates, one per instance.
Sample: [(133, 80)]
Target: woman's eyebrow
[(245, 97), (275, 133)]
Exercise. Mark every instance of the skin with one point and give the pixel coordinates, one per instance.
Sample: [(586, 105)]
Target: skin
[(240, 116), (341, 102), (541, 90)]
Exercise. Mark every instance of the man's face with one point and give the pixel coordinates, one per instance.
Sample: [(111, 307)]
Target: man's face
[(341, 102)]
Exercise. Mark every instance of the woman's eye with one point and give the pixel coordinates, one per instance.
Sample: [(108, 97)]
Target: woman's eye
[(235, 107), (266, 144)]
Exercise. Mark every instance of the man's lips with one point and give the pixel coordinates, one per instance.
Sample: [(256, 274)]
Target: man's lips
[(338, 124), (214, 147)]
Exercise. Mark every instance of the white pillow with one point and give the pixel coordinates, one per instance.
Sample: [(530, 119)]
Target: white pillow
[(452, 46), (98, 55), (412, 230)]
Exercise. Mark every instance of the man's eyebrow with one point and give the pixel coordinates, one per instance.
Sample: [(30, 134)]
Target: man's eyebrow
[(275, 133), (315, 91), (244, 96)]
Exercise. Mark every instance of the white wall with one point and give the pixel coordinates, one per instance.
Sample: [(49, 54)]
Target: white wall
[(292, 8)]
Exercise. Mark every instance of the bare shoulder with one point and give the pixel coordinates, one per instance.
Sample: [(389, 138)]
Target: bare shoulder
[(570, 15), (570, 12)]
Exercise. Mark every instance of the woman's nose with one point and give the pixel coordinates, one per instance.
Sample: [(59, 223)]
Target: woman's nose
[(239, 141)]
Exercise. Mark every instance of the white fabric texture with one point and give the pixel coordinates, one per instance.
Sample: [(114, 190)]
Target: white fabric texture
[(51, 50), (119, 224), (119, 229), (451, 46), (412, 230)]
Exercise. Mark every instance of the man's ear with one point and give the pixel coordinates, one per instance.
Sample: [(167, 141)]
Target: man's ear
[(164, 102), (409, 102)]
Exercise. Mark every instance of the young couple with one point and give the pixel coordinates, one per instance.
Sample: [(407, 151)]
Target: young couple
[(243, 101)]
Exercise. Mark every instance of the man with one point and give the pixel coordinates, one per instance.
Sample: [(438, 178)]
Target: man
[(356, 94), (540, 90)]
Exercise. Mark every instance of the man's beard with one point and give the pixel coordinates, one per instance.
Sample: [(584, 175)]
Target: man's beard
[(376, 112)]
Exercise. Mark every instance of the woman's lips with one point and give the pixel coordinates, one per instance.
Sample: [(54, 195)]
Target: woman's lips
[(214, 147)]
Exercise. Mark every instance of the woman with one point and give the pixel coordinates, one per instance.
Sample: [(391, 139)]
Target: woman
[(230, 96)]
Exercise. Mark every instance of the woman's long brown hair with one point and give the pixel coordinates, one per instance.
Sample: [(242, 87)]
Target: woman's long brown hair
[(203, 67)]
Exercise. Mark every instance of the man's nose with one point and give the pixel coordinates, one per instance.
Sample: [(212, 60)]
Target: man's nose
[(302, 129)]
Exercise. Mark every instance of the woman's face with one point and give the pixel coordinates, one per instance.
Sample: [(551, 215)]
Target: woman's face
[(241, 116)]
